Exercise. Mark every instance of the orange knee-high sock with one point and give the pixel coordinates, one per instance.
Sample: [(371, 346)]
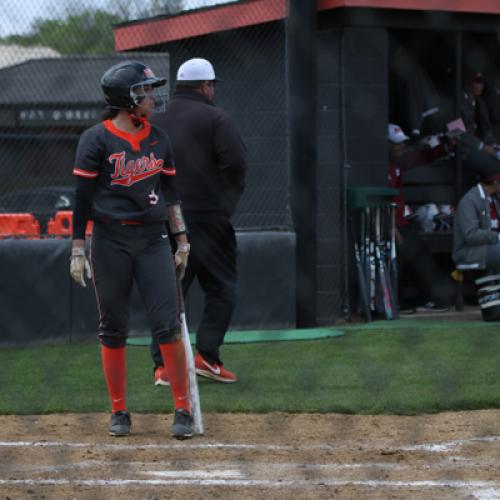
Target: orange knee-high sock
[(115, 371), (174, 361)]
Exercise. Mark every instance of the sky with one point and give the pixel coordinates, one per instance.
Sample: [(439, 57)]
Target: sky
[(16, 16)]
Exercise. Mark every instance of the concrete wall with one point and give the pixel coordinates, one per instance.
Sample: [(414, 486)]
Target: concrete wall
[(352, 72)]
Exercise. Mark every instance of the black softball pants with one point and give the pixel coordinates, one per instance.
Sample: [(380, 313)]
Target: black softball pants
[(213, 261), (122, 254)]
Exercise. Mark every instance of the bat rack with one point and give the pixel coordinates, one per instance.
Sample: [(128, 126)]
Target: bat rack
[(372, 215)]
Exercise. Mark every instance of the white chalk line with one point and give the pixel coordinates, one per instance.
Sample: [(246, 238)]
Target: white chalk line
[(221, 476), (493, 486), (199, 474), (198, 446), (231, 471), (487, 494), (221, 469), (429, 447), (446, 446)]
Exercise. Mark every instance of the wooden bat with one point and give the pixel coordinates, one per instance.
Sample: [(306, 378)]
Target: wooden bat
[(370, 259), (194, 394), (362, 249), (363, 290), (394, 261), (382, 276)]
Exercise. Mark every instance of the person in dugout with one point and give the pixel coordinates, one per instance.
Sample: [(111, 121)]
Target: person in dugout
[(125, 183), (476, 236), (434, 286), (478, 146)]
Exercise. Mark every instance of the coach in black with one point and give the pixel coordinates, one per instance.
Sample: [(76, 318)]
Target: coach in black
[(210, 162)]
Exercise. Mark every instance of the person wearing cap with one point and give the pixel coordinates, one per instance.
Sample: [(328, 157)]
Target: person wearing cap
[(477, 142), (433, 284), (210, 159), (476, 237)]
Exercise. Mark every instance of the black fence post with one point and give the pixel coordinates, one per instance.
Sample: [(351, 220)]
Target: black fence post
[(301, 64), (458, 100)]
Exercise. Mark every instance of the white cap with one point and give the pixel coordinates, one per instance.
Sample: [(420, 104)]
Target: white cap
[(195, 70), (396, 134)]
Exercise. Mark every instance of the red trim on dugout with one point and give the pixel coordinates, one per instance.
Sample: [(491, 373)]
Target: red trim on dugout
[(478, 6), (153, 31), (196, 23), (134, 139)]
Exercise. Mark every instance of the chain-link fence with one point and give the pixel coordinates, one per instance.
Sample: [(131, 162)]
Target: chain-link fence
[(51, 63), (372, 67), (53, 55)]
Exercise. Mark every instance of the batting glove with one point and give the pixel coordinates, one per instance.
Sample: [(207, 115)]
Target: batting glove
[(79, 265), (181, 258)]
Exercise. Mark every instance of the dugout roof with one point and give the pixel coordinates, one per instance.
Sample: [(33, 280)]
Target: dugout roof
[(163, 29), (61, 91), (69, 80)]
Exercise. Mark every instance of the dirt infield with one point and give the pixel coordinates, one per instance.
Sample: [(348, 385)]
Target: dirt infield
[(248, 456)]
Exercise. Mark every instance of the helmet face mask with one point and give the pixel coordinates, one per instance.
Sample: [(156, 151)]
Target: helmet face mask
[(124, 85), (142, 91)]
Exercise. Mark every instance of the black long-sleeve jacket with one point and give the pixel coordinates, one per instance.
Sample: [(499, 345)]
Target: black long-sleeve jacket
[(210, 156)]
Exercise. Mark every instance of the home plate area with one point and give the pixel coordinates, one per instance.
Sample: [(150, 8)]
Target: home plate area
[(277, 455)]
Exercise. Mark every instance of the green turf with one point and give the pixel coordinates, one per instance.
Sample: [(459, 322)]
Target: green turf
[(403, 370), (249, 336), (419, 323)]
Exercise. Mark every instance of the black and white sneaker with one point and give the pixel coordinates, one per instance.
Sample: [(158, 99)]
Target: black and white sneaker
[(120, 424), (432, 307), (182, 427)]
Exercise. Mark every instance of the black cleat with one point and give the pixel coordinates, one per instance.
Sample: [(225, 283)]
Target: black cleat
[(120, 424), (182, 427), (433, 307)]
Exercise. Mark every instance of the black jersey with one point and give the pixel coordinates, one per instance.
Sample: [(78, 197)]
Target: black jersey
[(133, 172)]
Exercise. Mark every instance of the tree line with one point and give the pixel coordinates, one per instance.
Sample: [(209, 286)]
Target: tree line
[(88, 30)]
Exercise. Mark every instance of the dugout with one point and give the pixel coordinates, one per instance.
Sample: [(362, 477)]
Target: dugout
[(313, 86)]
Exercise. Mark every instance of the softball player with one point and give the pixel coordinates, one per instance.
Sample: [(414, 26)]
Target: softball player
[(124, 183)]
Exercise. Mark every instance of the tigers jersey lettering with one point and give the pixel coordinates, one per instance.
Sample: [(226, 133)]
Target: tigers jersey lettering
[(128, 172)]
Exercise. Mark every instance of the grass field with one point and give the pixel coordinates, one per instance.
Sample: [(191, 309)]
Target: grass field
[(399, 370)]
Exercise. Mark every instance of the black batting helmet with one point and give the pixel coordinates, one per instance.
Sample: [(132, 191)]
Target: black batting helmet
[(119, 81)]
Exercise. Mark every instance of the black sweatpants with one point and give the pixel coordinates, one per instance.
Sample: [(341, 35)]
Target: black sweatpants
[(213, 261), (121, 254), (414, 256)]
